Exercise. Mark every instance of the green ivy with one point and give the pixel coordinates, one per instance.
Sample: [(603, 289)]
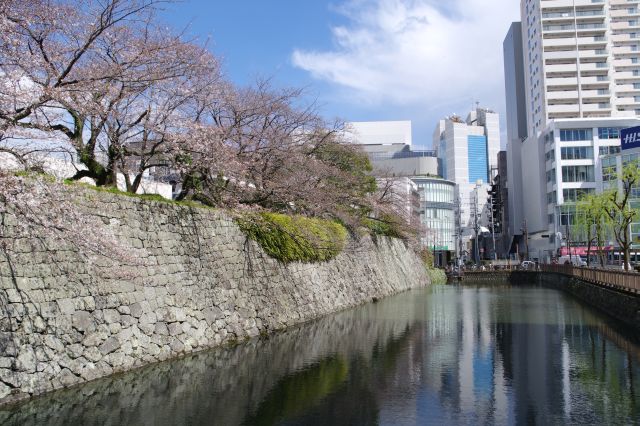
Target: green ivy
[(383, 227), (294, 238)]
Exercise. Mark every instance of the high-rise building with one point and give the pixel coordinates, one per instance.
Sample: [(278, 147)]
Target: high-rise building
[(581, 59), (516, 102), (581, 74), (467, 155), (411, 178)]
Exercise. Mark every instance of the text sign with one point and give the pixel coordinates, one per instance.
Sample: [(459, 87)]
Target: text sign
[(630, 138)]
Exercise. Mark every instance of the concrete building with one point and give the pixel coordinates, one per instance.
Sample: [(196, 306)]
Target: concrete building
[(580, 59), (438, 214), (581, 74), (467, 155), (388, 145), (611, 166), (516, 103)]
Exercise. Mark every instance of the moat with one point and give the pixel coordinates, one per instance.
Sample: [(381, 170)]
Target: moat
[(487, 354)]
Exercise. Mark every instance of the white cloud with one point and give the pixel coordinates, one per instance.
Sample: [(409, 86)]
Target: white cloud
[(425, 53)]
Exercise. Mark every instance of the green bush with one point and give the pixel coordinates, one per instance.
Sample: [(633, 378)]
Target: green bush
[(384, 227), (437, 276), (294, 238)]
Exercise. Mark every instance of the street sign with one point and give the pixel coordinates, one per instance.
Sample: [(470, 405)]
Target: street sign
[(630, 138)]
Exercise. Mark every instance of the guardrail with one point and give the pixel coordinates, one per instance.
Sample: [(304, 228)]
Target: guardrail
[(626, 281)]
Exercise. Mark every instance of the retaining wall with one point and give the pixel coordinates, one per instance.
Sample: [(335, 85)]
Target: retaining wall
[(197, 283)]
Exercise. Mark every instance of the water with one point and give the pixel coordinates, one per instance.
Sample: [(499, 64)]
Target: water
[(490, 354)]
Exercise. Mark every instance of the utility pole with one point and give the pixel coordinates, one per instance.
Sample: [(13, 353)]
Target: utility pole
[(526, 240), (569, 242), (476, 226)]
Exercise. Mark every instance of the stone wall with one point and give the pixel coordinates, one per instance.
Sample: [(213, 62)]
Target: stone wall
[(622, 306), (197, 282)]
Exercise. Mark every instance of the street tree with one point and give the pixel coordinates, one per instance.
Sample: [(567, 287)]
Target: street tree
[(619, 209), (591, 220)]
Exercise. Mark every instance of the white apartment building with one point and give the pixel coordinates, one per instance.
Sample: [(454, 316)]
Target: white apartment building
[(581, 69), (581, 59)]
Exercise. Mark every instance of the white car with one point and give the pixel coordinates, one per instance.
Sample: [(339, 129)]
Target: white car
[(528, 264), (571, 260)]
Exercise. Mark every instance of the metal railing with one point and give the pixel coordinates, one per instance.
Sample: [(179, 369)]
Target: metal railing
[(627, 281)]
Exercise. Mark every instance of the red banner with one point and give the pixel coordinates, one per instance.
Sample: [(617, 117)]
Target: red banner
[(582, 251)]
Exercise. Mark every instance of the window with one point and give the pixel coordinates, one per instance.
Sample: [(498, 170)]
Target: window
[(551, 197), (609, 150), (609, 132), (577, 174), (577, 153), (609, 169), (567, 215), (551, 175), (573, 195), (570, 135)]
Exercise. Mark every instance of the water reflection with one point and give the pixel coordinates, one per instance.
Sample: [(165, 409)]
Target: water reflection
[(445, 355)]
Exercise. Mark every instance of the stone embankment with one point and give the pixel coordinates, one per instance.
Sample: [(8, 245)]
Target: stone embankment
[(67, 317)]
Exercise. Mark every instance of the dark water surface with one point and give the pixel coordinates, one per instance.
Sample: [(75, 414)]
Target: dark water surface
[(475, 355)]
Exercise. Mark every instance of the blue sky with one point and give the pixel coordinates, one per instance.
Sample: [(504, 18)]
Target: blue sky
[(417, 60)]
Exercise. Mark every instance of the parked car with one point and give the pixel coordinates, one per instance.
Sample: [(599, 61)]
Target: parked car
[(572, 260), (528, 264)]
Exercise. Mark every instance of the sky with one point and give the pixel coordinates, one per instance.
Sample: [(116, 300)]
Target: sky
[(363, 60)]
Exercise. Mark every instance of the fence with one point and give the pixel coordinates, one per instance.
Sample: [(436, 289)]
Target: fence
[(627, 281)]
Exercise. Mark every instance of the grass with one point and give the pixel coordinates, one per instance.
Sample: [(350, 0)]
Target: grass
[(149, 197), (382, 227), (294, 238)]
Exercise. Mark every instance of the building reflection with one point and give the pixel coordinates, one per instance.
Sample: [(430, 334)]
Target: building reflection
[(446, 355)]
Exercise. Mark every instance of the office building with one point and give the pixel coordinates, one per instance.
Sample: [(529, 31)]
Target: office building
[(467, 155), (516, 103), (438, 214), (388, 145)]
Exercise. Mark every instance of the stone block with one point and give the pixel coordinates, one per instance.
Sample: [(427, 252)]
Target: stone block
[(83, 321), (136, 310), (27, 359), (175, 328), (212, 314), (161, 329), (110, 345), (111, 316)]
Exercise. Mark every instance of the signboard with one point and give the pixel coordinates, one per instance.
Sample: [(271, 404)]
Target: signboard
[(630, 138), (582, 251)]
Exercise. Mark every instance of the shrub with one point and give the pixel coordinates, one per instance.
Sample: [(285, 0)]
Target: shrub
[(294, 238)]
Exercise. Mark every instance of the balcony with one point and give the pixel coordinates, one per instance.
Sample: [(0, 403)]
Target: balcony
[(561, 54), (624, 13), (593, 66), (595, 107), (563, 95), (563, 108), (600, 79), (562, 81), (625, 25), (596, 94)]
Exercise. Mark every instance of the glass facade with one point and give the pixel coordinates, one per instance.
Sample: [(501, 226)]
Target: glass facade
[(576, 152), (478, 159), (572, 135), (437, 198), (609, 132), (578, 174), (573, 195)]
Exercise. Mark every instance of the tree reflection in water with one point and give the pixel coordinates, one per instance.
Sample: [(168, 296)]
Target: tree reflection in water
[(446, 355)]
